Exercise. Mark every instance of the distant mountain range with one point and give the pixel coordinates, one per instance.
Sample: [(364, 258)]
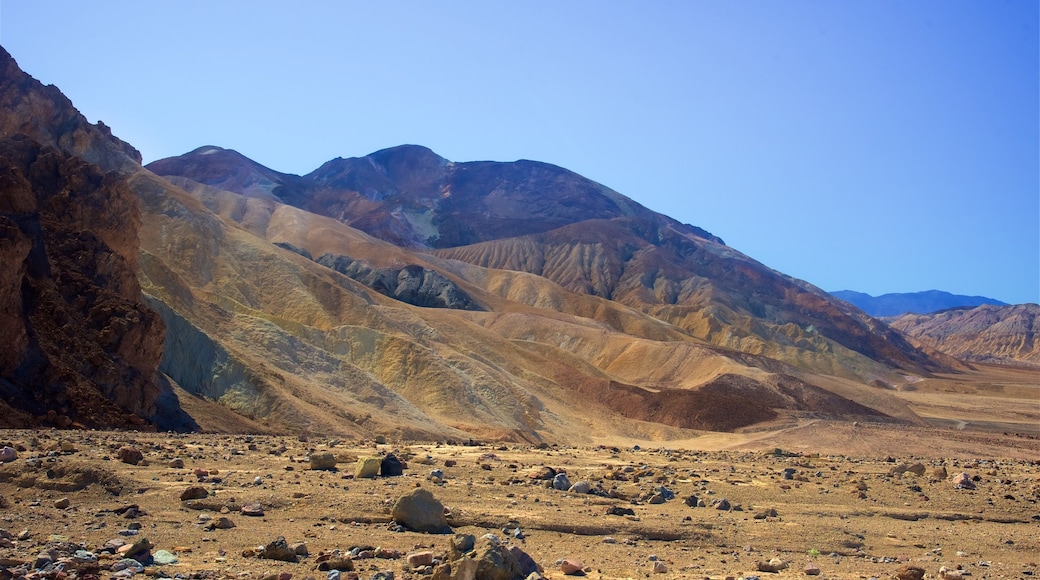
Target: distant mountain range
[(913, 302)]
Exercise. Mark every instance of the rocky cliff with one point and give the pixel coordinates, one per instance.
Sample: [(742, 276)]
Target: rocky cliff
[(80, 345)]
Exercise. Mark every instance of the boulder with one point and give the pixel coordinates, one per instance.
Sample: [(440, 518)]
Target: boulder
[(418, 510), (8, 454), (963, 481), (571, 566), (130, 454), (194, 492), (366, 467), (324, 461), (278, 549), (391, 466)]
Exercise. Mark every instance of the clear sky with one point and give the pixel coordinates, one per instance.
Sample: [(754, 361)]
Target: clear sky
[(871, 145)]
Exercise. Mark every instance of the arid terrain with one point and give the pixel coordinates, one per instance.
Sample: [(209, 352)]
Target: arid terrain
[(854, 500)]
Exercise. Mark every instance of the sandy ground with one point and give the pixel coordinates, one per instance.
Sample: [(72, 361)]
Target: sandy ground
[(846, 513)]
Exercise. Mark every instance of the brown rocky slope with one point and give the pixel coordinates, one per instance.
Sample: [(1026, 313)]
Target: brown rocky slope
[(542, 219), (986, 334), (80, 345)]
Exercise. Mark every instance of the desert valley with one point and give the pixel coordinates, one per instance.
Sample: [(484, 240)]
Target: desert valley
[(400, 365)]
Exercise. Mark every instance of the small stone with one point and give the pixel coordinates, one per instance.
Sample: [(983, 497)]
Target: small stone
[(560, 482), (221, 523), (254, 510), (300, 549), (176, 464), (940, 473), (420, 559), (660, 567), (950, 573), (8, 454), (811, 570), (130, 454), (581, 487), (194, 492), (917, 469), (62, 503), (722, 505), (963, 481), (337, 563), (543, 472), (278, 549), (164, 558), (571, 566), (909, 572)]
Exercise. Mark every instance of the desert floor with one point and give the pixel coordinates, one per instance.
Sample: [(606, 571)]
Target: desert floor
[(842, 506)]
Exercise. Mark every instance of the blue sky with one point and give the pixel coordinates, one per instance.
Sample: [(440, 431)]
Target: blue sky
[(879, 146)]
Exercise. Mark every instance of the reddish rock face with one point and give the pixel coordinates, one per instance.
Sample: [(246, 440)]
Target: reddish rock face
[(80, 346)]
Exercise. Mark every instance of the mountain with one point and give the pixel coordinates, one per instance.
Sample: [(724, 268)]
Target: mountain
[(896, 304), (403, 294), (544, 220), (987, 333), (80, 346)]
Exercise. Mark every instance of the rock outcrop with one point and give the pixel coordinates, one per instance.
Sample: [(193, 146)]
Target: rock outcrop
[(82, 347)]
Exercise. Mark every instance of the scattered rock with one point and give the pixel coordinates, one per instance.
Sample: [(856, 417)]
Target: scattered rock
[(908, 572), (560, 482), (963, 481), (543, 472), (8, 454), (278, 549), (391, 466), (418, 510), (62, 503), (940, 473), (420, 559), (660, 567), (194, 492), (254, 510), (324, 461), (366, 467), (774, 565), (615, 510), (336, 563), (811, 570), (164, 558), (130, 454), (722, 504), (766, 513), (581, 487), (221, 523), (571, 566)]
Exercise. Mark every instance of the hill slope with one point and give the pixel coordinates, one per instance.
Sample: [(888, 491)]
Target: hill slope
[(987, 333), (544, 220)]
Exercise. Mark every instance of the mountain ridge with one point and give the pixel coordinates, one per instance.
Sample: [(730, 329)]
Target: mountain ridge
[(898, 303), (615, 319)]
